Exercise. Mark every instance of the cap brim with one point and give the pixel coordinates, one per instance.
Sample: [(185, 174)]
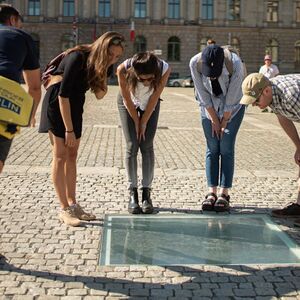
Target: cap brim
[(246, 100)]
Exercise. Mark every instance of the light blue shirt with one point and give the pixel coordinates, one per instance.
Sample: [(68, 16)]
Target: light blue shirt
[(231, 86)]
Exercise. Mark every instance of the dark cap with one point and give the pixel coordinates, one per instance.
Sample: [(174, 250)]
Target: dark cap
[(212, 58)]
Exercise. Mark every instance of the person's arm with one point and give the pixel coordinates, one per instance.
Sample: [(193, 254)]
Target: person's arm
[(290, 129), (154, 98), (33, 84), (234, 90), (203, 96), (121, 73), (65, 110), (73, 66)]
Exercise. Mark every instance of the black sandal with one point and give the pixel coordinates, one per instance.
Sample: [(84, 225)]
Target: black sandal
[(222, 203), (209, 202)]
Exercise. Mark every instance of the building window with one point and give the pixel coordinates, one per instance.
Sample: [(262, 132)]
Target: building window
[(140, 7), (34, 7), (140, 44), (207, 10), (67, 41), (297, 52), (234, 9), (174, 49), (69, 8), (235, 43), (272, 49), (272, 11), (104, 8), (298, 11), (174, 9)]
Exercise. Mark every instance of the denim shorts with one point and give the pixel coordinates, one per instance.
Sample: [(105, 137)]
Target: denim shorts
[(4, 147)]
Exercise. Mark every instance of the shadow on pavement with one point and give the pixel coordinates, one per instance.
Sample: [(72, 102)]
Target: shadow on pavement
[(228, 282)]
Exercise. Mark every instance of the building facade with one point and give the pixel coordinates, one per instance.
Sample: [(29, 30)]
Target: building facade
[(175, 29)]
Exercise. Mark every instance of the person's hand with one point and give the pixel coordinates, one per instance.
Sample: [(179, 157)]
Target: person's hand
[(100, 94), (216, 127), (223, 126), (297, 157), (70, 139), (137, 128), (32, 122), (142, 132)]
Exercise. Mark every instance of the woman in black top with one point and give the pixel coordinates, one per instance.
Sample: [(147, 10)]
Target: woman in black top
[(83, 67)]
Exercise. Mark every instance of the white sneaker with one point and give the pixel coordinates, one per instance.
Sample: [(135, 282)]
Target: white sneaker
[(68, 217)]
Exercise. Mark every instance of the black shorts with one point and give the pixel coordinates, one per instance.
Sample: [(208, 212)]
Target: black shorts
[(4, 147)]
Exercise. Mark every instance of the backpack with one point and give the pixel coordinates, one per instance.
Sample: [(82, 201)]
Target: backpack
[(51, 67), (228, 49)]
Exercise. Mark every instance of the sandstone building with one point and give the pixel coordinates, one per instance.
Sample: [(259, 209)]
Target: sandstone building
[(176, 29)]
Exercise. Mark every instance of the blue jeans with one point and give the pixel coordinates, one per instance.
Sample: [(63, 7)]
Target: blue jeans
[(224, 149)]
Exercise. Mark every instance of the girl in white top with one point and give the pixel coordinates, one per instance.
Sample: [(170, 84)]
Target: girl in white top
[(142, 79)]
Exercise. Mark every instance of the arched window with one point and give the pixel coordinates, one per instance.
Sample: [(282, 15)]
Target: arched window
[(272, 49), (297, 52), (36, 40), (140, 44), (174, 49), (67, 41), (235, 43)]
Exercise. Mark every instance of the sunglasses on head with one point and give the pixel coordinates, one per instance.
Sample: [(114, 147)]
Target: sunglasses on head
[(118, 41)]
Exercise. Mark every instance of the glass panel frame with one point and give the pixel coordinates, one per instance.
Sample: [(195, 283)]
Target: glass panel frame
[(104, 8), (196, 239)]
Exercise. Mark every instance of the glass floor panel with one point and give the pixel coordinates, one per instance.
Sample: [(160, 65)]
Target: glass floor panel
[(203, 239)]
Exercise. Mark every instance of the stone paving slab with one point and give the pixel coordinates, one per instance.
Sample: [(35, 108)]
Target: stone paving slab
[(47, 260)]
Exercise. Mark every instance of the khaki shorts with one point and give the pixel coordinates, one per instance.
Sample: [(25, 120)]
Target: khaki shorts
[(4, 147)]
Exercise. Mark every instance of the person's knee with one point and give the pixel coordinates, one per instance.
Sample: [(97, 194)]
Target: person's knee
[(132, 148), (72, 155), (59, 157), (146, 147)]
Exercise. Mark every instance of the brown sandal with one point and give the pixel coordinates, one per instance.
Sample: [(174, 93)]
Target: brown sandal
[(209, 202), (222, 203)]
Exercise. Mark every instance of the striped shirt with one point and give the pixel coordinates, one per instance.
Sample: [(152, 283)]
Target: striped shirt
[(229, 100), (286, 96)]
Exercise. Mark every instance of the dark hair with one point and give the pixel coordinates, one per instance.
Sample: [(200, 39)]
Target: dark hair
[(144, 63), (6, 11)]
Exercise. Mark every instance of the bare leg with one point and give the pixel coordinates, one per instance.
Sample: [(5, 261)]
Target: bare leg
[(58, 169), (224, 191), (213, 189), (71, 173), (1, 166)]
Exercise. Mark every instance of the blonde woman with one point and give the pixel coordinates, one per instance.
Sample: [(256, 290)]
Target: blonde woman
[(84, 67)]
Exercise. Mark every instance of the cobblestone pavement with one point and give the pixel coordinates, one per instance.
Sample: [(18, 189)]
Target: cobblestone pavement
[(43, 259)]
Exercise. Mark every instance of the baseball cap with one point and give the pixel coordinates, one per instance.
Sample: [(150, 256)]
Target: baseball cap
[(212, 58), (268, 57), (252, 87)]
